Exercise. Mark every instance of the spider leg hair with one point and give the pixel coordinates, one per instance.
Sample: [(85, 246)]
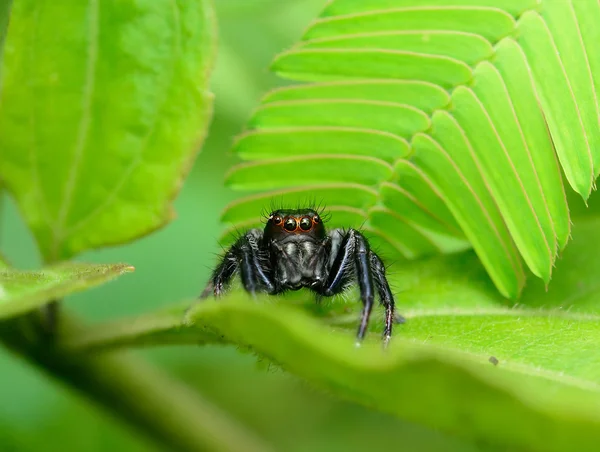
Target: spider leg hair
[(385, 294), (352, 260), (243, 257)]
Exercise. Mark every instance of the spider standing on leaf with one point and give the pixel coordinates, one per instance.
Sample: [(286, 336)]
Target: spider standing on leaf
[(294, 251)]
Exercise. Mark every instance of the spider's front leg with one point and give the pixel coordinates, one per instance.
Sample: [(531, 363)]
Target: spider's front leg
[(385, 294), (354, 259), (243, 256)]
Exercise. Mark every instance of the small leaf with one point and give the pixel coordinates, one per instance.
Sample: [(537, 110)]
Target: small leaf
[(327, 64), (399, 119), (424, 96), (558, 102), (495, 99), (315, 169), (4, 16), (327, 196), (293, 141), (563, 24), (454, 170), (23, 291), (491, 23), (512, 65), (100, 122), (504, 182), (468, 47), (341, 7)]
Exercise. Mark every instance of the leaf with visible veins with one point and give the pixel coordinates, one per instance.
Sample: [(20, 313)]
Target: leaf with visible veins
[(100, 123)]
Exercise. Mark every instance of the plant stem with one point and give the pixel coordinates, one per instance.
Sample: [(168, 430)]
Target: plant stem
[(164, 409)]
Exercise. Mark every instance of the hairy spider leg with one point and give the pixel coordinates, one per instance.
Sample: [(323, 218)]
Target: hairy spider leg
[(385, 294), (354, 255), (244, 255)]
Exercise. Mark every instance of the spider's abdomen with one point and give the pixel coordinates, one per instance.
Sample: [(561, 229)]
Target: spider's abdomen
[(299, 263)]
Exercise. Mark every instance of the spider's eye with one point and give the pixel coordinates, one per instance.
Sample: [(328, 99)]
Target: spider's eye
[(316, 219), (305, 223), (276, 220), (290, 224)]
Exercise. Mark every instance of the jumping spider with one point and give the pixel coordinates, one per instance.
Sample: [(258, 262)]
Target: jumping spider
[(294, 251)]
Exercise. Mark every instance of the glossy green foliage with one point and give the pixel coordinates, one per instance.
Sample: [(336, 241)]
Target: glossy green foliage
[(512, 377), (495, 99), (23, 291), (100, 122)]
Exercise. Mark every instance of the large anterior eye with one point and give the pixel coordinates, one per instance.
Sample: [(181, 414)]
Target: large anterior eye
[(305, 223), (290, 224)]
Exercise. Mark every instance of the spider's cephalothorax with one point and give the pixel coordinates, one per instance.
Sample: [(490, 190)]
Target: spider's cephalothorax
[(294, 251)]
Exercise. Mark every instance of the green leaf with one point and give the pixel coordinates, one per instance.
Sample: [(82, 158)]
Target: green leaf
[(399, 119), (468, 47), (100, 123), (498, 96), (22, 291), (422, 95), (331, 64), (543, 393), (321, 140), (265, 175), (490, 23), (557, 99), (331, 195), (503, 178), (5, 7)]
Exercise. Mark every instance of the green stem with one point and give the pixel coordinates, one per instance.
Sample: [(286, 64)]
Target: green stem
[(163, 408)]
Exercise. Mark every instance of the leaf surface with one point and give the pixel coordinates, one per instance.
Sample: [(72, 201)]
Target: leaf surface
[(100, 123), (542, 393), (22, 291), (499, 96)]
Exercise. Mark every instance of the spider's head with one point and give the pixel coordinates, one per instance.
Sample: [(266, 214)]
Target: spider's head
[(282, 223)]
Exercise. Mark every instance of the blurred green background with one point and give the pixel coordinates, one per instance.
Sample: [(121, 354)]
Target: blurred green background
[(37, 414)]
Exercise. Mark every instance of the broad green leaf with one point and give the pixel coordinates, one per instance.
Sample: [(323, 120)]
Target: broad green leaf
[(284, 172), (556, 96), (100, 123), (22, 291), (514, 406), (541, 395)]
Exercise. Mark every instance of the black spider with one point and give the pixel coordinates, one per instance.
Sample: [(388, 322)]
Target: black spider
[(294, 251)]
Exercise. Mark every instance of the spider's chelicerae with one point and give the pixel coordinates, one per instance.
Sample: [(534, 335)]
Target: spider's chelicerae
[(294, 251)]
